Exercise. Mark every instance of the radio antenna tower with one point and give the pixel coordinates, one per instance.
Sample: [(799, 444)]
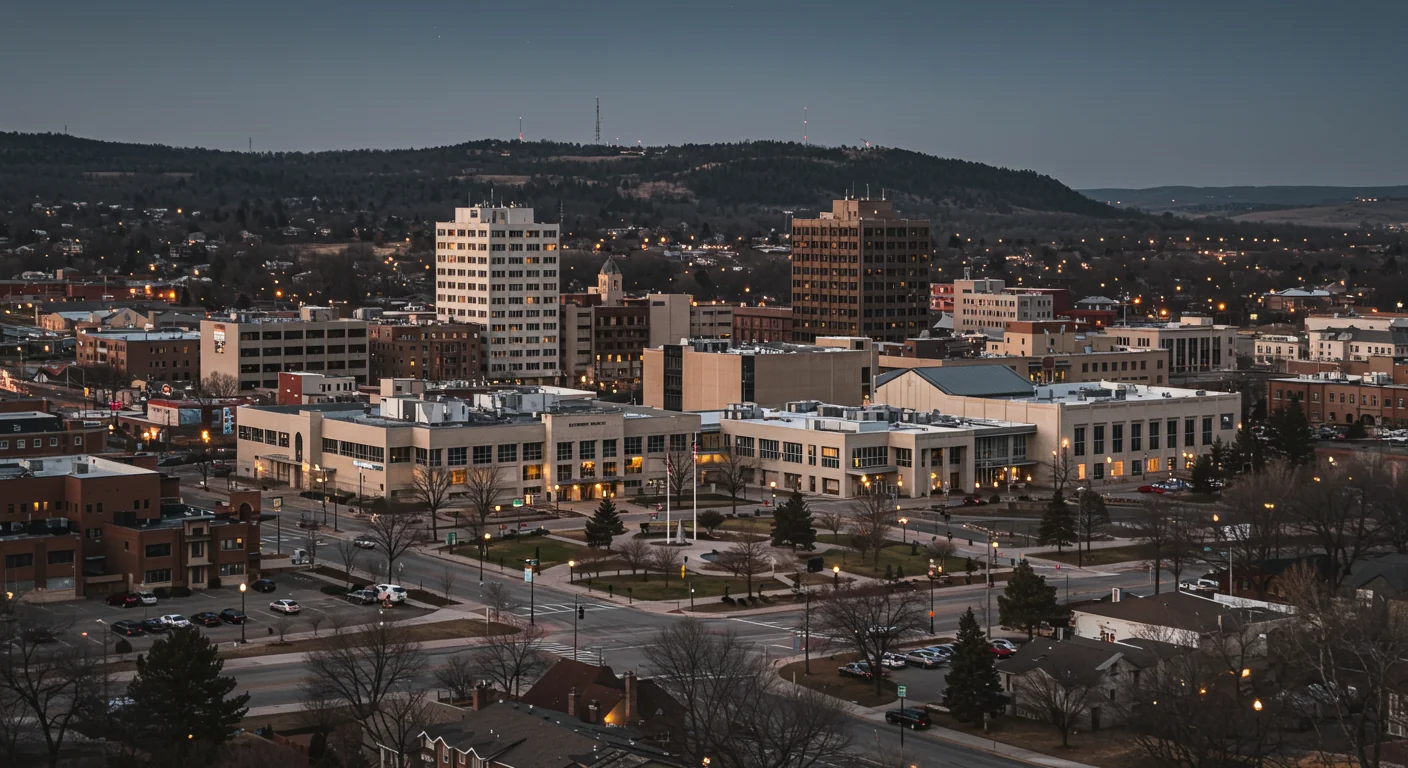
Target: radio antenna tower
[(598, 119), (520, 129), (804, 126)]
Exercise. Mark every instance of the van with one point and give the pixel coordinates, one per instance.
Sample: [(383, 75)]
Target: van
[(390, 592), (300, 557)]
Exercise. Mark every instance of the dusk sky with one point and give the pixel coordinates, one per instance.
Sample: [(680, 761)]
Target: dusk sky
[(1094, 93)]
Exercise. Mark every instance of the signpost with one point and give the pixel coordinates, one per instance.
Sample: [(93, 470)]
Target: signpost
[(529, 568), (901, 693), (450, 539)]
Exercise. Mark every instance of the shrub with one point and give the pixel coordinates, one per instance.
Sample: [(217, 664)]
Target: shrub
[(162, 593), (180, 591), (122, 646), (728, 600), (996, 499)]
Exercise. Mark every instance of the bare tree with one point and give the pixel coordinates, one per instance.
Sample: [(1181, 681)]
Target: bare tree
[(1061, 468), (448, 580), (681, 472), (636, 553), (735, 709), (940, 550), (506, 659), (310, 543), (871, 624), (218, 386), (1253, 525), (732, 472), (370, 674), (484, 488), (746, 560), (1153, 529), (1091, 514), (498, 599), (399, 721), (348, 553), (282, 624), (870, 516), (1335, 509), (666, 559), (315, 619), (457, 675), (394, 533), (1187, 529), (48, 687), (832, 520), (1057, 695), (431, 487)]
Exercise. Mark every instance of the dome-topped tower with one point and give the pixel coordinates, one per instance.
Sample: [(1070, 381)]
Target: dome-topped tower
[(609, 283)]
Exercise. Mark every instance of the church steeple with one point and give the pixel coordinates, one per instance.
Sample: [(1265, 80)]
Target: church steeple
[(609, 283)]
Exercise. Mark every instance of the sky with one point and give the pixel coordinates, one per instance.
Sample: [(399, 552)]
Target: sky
[(1097, 94)]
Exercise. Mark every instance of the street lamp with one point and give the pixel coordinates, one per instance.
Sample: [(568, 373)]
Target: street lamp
[(556, 497), (244, 617), (904, 530), (836, 576), (992, 553), (934, 571), (570, 565), (483, 552)]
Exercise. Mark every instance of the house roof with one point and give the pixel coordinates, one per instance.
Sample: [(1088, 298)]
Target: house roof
[(610, 267), (1081, 657), (1180, 611), (600, 684), (1391, 567), (524, 736), (968, 380)]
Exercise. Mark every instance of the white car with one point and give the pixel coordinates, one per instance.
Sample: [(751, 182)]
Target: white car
[(147, 598), (285, 606), (893, 661), (390, 592), (175, 621)]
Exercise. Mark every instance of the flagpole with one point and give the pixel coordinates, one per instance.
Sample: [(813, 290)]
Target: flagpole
[(694, 469), (669, 473)]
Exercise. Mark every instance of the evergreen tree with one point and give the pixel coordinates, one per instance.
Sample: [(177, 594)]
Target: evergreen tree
[(792, 523), (1204, 472), (604, 523), (1290, 434), (1058, 525), (974, 690), (1027, 600), (1247, 452), (179, 698)]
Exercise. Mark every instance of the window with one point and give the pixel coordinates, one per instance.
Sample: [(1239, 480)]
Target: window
[(1151, 465), (1172, 433), (159, 576), (870, 456), (743, 446), (792, 452), (1154, 435), (1098, 470), (158, 550), (634, 466), (1099, 439), (1080, 441), (458, 457), (811, 455), (1080, 471), (588, 469), (483, 454), (508, 453), (904, 457), (401, 455), (532, 471), (61, 557), (679, 442), (1117, 438), (1190, 427), (564, 451), (608, 469), (586, 449), (608, 449), (767, 449), (1207, 430), (1136, 467), (633, 446), (830, 457), (564, 472), (231, 544), (1136, 436), (655, 444), (231, 569)]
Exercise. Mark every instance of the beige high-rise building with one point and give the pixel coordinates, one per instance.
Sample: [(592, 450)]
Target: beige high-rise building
[(256, 347), (860, 270), (708, 375), (497, 266)]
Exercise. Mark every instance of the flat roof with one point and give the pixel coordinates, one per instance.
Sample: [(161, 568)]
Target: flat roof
[(145, 335), (58, 466), (807, 421), (1105, 390)]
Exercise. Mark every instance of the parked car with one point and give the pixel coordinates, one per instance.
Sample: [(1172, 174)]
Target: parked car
[(914, 719), (173, 460), (206, 619), (364, 542), (127, 628), (390, 592), (38, 634), (175, 621), (974, 501), (264, 585), (154, 625), (147, 597), (285, 606), (944, 650), (232, 616), (220, 469), (541, 530), (1151, 489), (855, 669), (1002, 648), (893, 661), (361, 596), (924, 659), (123, 600)]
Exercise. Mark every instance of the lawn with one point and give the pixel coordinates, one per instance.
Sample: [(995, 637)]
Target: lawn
[(1102, 556), (440, 630), (895, 555), (514, 551), (1109, 747), (825, 679), (748, 525), (705, 587)]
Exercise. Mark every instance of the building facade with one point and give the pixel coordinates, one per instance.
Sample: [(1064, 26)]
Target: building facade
[(255, 348), (541, 446), (1195, 344), (152, 356), (754, 325), (431, 351), (1371, 399), (498, 267), (987, 305), (604, 334), (34, 433), (860, 270), (709, 375)]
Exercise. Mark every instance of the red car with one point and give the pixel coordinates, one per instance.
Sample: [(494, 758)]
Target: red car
[(973, 501), (1151, 489), (123, 600), (1002, 648)]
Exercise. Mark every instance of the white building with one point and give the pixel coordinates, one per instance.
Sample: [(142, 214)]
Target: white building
[(1276, 350), (987, 305), (1195, 344), (497, 267)]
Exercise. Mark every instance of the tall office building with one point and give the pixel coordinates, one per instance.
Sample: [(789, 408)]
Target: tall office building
[(860, 270), (497, 267)]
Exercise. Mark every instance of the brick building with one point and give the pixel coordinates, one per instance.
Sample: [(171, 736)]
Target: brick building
[(33, 433), (152, 356), (1372, 399), (753, 325), (431, 351)]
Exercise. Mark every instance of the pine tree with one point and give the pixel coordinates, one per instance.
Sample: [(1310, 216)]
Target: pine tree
[(1026, 601), (1293, 438), (1204, 472), (792, 523), (1247, 451), (974, 690), (181, 700), (1058, 525), (604, 524)]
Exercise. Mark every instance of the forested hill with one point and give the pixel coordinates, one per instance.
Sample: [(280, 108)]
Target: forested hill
[(728, 180)]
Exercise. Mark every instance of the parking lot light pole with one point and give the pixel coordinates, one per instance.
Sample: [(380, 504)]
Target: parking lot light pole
[(243, 588), (483, 552)]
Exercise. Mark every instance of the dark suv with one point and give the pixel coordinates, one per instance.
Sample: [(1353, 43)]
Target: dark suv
[(914, 719)]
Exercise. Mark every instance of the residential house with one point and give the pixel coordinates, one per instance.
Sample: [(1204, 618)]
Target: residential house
[(1101, 671)]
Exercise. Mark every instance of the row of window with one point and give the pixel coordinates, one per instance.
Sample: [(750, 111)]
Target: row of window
[(38, 442), (1196, 431)]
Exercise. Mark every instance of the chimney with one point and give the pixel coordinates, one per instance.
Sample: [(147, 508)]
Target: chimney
[(632, 706), (479, 698), (574, 703), (1115, 593)]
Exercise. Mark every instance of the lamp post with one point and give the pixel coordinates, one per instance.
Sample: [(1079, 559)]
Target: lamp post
[(773, 486), (904, 530), (483, 552), (244, 616), (992, 553), (836, 576), (570, 565), (323, 483), (933, 578), (557, 498)]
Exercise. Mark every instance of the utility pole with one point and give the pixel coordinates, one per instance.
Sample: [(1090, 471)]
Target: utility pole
[(598, 120)]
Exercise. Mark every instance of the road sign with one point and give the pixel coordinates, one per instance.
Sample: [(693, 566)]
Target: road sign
[(518, 502), (901, 691), (450, 539), (527, 574), (278, 503)]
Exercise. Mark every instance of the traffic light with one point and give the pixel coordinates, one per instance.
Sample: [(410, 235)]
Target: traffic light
[(581, 612)]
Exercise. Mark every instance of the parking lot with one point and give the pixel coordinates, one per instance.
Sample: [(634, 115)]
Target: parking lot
[(76, 617)]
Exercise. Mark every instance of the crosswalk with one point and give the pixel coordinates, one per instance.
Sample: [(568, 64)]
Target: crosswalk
[(547, 609)]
